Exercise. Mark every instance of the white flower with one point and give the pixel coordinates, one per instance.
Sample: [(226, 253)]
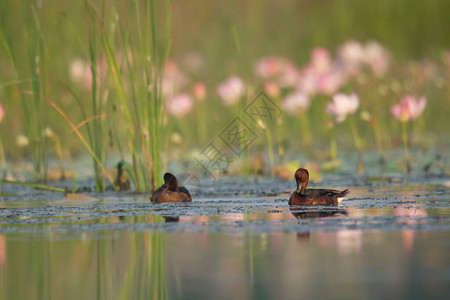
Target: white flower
[(342, 105), (295, 103)]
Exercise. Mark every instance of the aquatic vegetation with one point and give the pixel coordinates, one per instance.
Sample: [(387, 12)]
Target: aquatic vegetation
[(342, 106), (120, 84)]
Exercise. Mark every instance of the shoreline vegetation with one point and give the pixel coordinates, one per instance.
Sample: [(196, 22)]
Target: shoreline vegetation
[(133, 84)]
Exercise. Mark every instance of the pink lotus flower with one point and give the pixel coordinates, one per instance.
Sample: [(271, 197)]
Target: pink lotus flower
[(321, 60), (351, 55), (231, 90), (329, 83), (342, 105), (179, 105), (377, 57), (200, 91), (409, 108), (278, 69), (272, 89), (173, 79), (2, 113), (295, 103), (289, 75), (269, 66), (308, 81)]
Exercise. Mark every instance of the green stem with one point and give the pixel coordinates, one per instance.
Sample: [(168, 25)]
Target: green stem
[(355, 134), (280, 137), (306, 130), (405, 146), (270, 152), (333, 146), (358, 145)]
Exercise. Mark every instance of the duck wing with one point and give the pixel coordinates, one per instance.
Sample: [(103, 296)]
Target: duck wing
[(157, 194), (325, 196), (186, 193)]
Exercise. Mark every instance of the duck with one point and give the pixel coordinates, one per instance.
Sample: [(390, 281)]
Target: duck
[(303, 196), (170, 191)]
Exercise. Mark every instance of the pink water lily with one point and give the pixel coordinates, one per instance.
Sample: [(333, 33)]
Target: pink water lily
[(409, 108), (342, 105), (231, 90), (179, 105), (295, 103)]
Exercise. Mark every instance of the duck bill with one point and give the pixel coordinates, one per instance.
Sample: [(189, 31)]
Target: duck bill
[(301, 187)]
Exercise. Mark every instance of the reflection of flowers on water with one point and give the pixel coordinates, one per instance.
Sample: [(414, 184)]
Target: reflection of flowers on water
[(346, 241), (408, 239), (413, 215), (349, 241), (2, 249)]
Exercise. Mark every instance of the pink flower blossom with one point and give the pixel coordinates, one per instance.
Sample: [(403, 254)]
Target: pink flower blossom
[(377, 57), (269, 66), (231, 90), (272, 89), (308, 81), (200, 91), (278, 69), (321, 60), (2, 113), (409, 108), (179, 105), (289, 75), (342, 105), (173, 79), (330, 82), (351, 54), (295, 103)]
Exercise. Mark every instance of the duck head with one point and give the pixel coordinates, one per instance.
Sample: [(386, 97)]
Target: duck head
[(302, 178), (171, 182)]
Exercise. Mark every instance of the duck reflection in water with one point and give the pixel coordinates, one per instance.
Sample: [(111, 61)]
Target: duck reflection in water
[(171, 219)]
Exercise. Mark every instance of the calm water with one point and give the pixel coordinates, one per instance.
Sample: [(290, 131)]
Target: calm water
[(390, 238)]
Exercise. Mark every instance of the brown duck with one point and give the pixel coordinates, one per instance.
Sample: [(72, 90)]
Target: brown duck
[(170, 191), (303, 196)]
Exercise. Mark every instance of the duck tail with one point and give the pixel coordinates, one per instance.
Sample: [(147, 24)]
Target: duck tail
[(344, 193), (341, 195)]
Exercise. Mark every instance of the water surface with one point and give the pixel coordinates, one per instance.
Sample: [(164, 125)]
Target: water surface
[(237, 240)]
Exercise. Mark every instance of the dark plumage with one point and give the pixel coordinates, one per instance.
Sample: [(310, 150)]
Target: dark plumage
[(303, 196), (170, 191)]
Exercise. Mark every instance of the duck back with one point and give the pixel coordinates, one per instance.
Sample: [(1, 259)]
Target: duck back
[(162, 194), (317, 197)]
